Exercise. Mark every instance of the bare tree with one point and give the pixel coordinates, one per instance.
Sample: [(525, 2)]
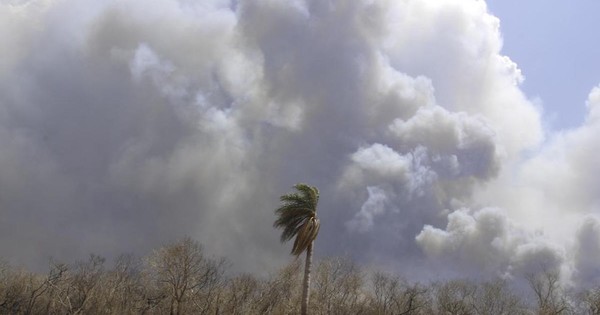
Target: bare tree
[(414, 300), (12, 289), (589, 301), (549, 294), (338, 287), (121, 289), (393, 295), (74, 289), (185, 277), (282, 293), (37, 288), (242, 296), (385, 287), (455, 297), (494, 298)]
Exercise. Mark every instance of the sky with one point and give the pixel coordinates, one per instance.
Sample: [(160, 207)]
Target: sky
[(549, 37), (125, 125)]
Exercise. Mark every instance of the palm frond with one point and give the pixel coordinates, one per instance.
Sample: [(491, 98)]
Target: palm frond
[(293, 210), (306, 235), (310, 194), (296, 199), (297, 217), (291, 229)]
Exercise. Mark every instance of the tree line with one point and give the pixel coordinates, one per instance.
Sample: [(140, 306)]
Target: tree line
[(179, 278)]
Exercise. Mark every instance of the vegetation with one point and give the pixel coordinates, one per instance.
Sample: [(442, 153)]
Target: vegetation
[(297, 217), (180, 278)]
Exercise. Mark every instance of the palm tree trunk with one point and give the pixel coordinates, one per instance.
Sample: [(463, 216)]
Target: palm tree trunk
[(306, 283)]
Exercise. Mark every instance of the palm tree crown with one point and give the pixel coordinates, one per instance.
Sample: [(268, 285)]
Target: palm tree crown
[(297, 216)]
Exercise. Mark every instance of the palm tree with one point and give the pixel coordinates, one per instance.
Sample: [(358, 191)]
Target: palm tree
[(297, 216)]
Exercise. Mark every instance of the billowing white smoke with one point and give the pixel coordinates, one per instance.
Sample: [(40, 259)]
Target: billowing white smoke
[(489, 243), (549, 205), (124, 124)]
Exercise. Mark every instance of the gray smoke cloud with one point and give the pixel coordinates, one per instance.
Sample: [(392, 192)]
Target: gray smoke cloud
[(126, 124), (487, 242)]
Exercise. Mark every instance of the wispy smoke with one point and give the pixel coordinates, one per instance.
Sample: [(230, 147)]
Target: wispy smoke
[(125, 124)]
